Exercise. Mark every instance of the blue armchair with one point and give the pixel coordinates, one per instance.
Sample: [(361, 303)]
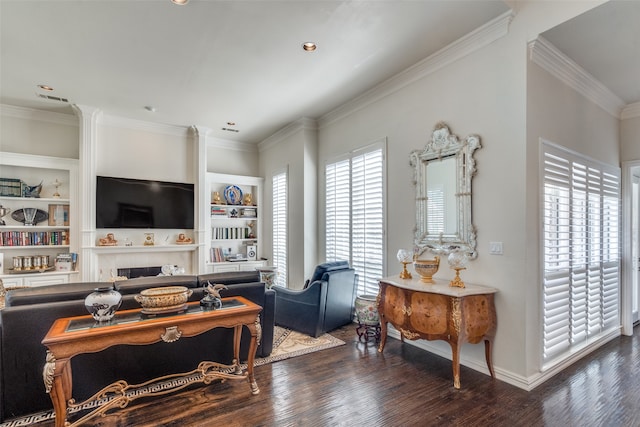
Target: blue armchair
[(325, 303)]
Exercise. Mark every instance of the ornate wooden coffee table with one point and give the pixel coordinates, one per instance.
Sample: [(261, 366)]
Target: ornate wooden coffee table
[(71, 336)]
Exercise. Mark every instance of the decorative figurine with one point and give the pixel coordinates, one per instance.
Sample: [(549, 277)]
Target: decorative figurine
[(32, 190), (57, 184), (212, 300), (149, 239), (183, 239), (248, 199), (3, 211), (216, 198), (109, 240)]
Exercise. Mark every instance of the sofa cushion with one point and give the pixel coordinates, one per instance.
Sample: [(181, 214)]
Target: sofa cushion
[(133, 286), (52, 293)]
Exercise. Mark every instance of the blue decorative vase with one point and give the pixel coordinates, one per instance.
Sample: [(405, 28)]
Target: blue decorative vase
[(103, 303)]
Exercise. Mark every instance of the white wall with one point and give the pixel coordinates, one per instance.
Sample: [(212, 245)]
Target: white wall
[(482, 94), (293, 149), (27, 131)]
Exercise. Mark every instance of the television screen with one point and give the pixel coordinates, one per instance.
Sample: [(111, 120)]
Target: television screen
[(135, 203)]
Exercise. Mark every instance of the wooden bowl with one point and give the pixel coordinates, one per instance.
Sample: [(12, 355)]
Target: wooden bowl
[(426, 268), (167, 297)]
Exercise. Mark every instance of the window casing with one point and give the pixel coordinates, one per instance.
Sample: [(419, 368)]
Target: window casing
[(355, 214), (581, 245)]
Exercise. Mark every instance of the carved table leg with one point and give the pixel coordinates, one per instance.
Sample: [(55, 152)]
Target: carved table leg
[(487, 355), (57, 381), (383, 333), (252, 354), (455, 361), (237, 334)]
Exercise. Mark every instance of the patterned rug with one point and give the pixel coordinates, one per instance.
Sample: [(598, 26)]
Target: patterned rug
[(286, 344)]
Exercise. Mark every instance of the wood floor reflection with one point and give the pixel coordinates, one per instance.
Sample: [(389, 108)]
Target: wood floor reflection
[(353, 385)]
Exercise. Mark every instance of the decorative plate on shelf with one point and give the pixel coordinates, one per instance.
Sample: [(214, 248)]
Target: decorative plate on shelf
[(233, 195), (27, 214)]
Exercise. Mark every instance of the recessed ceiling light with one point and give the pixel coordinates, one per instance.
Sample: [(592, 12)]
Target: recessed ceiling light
[(309, 46), (150, 108), (45, 87), (180, 2)]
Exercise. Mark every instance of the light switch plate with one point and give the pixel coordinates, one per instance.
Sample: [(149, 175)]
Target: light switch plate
[(495, 248)]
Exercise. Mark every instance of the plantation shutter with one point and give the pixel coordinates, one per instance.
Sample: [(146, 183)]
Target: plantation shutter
[(279, 184), (338, 211), (581, 251), (367, 219), (355, 214)]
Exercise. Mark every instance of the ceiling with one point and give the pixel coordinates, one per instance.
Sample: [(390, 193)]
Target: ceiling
[(605, 41), (212, 62)]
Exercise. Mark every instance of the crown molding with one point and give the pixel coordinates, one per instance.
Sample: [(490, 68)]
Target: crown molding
[(631, 111), (460, 48), (303, 123), (551, 59), (141, 125), (227, 144), (39, 115)]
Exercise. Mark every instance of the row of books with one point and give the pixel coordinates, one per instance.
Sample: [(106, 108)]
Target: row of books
[(230, 233), (34, 238), (217, 255)]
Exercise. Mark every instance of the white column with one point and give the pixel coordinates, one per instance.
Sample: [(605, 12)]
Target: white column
[(202, 196), (87, 259)]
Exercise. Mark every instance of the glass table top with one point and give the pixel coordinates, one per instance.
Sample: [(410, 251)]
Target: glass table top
[(123, 318)]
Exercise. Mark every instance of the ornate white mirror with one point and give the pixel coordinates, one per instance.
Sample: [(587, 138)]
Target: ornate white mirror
[(443, 173)]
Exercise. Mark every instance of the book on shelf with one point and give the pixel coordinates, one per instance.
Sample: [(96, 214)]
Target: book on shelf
[(217, 255), (218, 211), (66, 261), (248, 213)]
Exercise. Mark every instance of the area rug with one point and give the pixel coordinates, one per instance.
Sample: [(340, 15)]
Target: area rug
[(286, 344)]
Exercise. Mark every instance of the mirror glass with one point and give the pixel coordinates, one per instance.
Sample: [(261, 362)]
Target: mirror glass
[(442, 212), (443, 173)]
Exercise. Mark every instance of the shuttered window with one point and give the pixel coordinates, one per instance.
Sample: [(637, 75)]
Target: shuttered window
[(355, 214), (581, 252), (279, 226)]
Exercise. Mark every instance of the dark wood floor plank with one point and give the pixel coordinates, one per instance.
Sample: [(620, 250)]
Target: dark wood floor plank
[(353, 385)]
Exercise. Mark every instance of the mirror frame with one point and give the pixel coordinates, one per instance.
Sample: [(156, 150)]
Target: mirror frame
[(443, 144)]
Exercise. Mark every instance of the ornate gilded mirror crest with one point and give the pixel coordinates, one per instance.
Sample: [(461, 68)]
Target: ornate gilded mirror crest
[(443, 172)]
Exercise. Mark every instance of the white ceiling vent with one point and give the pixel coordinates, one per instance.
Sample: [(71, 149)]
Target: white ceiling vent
[(52, 98)]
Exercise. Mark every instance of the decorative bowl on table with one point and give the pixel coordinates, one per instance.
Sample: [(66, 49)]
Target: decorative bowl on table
[(426, 268), (163, 300)]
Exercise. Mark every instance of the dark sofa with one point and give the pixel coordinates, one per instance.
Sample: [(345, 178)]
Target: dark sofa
[(29, 313)]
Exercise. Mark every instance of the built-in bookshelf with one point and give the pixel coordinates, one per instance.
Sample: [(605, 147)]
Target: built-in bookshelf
[(233, 226), (39, 222)]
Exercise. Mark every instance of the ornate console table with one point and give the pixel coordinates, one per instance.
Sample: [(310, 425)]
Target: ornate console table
[(439, 312), (71, 336)]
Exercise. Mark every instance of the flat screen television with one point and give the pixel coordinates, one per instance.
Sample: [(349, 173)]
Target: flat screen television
[(136, 203)]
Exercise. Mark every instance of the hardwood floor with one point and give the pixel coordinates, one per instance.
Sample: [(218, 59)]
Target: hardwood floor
[(353, 385)]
